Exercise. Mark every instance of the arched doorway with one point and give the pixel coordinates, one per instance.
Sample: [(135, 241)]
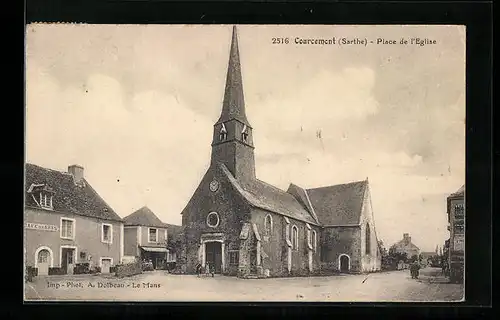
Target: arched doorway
[(43, 260), (344, 263)]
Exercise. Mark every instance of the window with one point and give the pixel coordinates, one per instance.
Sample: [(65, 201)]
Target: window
[(268, 225), (367, 239), (43, 256), (459, 227), (67, 228), (244, 133), (153, 235), (234, 257), (223, 133), (107, 233), (314, 240), (295, 238), (45, 201), (213, 219), (459, 212)]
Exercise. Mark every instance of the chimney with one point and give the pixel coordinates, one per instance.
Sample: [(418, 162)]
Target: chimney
[(77, 172), (406, 237)]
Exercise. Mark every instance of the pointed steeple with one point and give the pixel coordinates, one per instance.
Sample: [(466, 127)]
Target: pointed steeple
[(233, 106)]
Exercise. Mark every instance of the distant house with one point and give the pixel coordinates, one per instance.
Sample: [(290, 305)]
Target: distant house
[(427, 256), (406, 246), (146, 237), (455, 204), (66, 223)]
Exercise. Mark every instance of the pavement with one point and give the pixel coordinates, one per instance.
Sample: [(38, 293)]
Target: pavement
[(394, 286)]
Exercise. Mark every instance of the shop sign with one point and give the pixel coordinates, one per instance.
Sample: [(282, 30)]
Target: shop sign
[(41, 227)]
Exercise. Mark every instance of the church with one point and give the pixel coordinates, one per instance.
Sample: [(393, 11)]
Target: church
[(240, 225)]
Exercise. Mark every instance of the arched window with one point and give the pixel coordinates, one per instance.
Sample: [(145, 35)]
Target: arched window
[(367, 239), (223, 133), (244, 133), (268, 225), (295, 238), (314, 240)]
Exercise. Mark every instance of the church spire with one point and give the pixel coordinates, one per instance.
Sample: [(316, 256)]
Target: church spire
[(233, 105)]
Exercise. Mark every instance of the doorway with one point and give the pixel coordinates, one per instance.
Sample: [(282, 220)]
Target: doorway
[(344, 263), (43, 262), (68, 257), (105, 265), (213, 255)]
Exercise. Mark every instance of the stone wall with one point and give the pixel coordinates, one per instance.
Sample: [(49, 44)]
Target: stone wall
[(337, 241), (228, 204)]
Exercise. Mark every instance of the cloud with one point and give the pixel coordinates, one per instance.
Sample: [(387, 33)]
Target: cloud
[(326, 100)]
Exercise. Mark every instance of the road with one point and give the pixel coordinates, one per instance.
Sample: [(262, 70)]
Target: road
[(159, 286)]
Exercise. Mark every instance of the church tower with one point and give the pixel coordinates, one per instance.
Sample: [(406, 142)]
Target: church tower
[(232, 142)]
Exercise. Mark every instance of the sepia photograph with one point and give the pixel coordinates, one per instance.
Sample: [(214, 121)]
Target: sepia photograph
[(266, 163)]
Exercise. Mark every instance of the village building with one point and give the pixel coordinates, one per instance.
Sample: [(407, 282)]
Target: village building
[(67, 223), (455, 246), (406, 246), (146, 238), (240, 225)]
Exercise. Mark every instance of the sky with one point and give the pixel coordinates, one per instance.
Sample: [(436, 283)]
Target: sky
[(135, 106)]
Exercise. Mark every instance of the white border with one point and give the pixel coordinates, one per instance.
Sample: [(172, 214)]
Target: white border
[(51, 255), (61, 228), (348, 262), (111, 233)]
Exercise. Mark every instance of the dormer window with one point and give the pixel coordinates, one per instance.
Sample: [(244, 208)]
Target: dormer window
[(223, 133), (42, 194), (45, 200), (244, 133)]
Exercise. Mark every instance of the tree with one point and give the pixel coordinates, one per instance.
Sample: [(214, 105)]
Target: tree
[(394, 257)]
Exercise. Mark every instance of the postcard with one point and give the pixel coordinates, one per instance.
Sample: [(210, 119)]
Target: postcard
[(244, 163)]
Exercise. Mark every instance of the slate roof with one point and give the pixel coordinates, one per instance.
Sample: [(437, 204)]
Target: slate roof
[(144, 217), (459, 193), (401, 244), (339, 204), (68, 197), (265, 196)]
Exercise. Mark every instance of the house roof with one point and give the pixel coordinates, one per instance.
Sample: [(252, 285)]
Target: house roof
[(339, 204), (402, 243), (143, 217), (68, 197), (265, 196), (459, 193)]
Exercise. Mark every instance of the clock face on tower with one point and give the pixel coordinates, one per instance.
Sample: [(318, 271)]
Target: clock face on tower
[(214, 185)]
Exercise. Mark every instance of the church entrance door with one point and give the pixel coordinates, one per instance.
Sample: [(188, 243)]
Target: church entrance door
[(213, 252), (344, 263)]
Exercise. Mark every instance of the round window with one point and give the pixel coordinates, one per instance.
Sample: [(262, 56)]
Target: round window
[(213, 219)]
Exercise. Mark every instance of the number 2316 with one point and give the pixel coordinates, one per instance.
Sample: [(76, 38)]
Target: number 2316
[(280, 40)]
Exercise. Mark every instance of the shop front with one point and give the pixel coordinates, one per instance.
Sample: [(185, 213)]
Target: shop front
[(157, 255)]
